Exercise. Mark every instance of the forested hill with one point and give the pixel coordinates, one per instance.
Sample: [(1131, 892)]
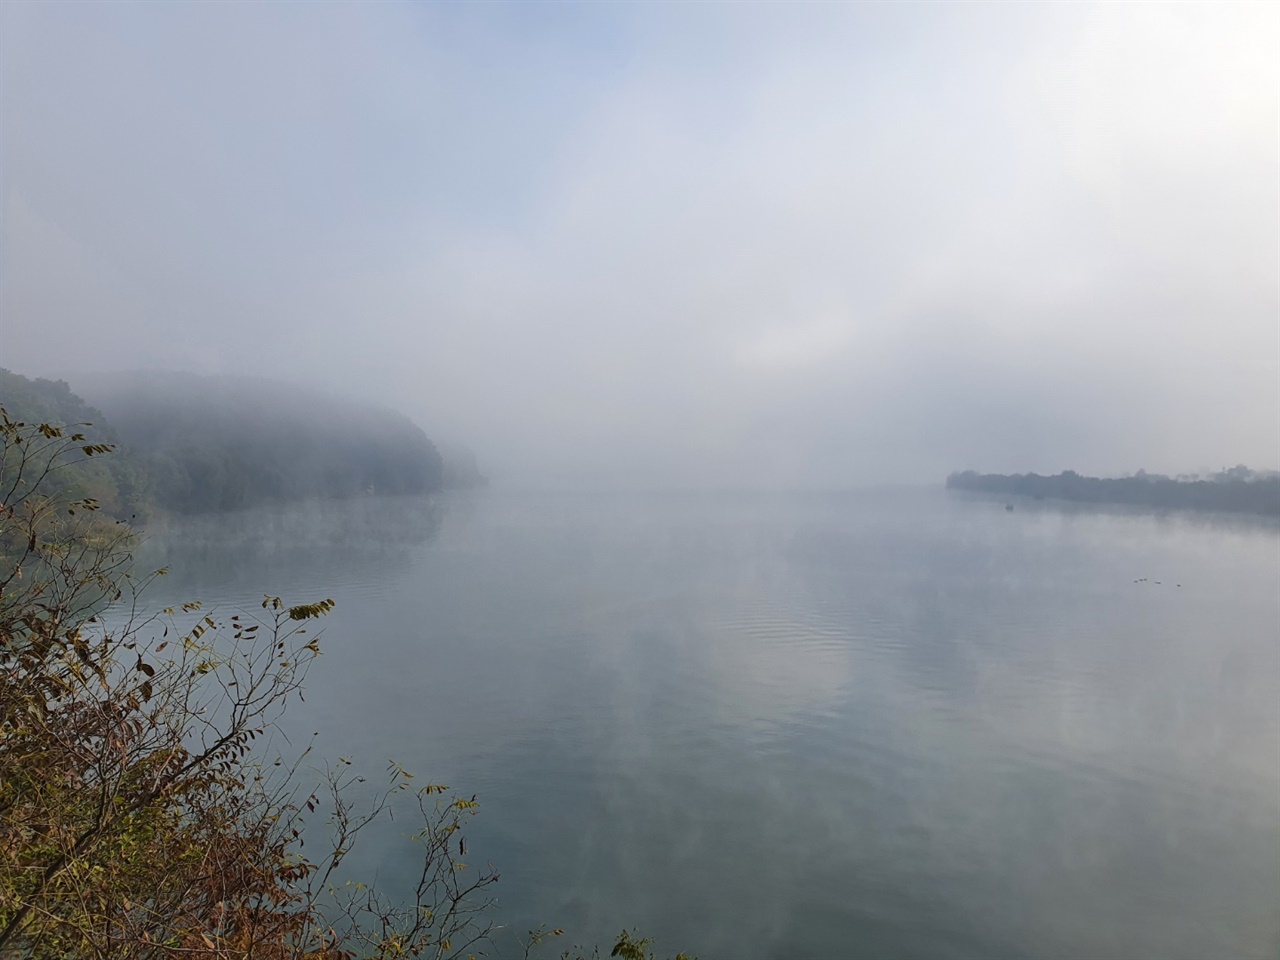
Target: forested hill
[(117, 483), (1238, 490), (221, 443), (192, 444)]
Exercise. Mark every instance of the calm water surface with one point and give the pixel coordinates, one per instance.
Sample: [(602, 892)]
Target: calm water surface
[(897, 724)]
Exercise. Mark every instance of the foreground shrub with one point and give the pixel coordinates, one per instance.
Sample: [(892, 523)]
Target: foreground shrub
[(143, 809)]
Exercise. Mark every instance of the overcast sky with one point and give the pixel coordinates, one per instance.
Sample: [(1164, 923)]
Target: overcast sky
[(773, 244)]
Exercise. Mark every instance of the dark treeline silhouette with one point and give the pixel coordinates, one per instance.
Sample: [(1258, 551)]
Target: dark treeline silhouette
[(1238, 490), (191, 444)]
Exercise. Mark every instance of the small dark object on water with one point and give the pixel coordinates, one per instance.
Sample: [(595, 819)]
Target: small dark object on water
[(1009, 507)]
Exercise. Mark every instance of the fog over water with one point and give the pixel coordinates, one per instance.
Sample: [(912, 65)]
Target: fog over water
[(892, 724), (677, 245), (717, 295)]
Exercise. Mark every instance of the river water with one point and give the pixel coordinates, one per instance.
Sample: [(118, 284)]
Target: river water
[(888, 724)]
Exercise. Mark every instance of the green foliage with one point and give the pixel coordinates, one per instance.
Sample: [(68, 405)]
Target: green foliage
[(629, 946), (117, 485)]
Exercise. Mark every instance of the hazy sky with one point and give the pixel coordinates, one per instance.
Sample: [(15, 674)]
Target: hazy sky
[(779, 244)]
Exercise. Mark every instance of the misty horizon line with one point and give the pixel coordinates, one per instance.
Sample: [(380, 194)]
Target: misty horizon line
[(535, 480)]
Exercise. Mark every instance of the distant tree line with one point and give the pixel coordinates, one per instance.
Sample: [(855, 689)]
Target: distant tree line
[(1238, 490), (191, 444)]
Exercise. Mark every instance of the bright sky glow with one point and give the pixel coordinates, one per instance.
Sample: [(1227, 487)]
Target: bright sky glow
[(645, 242)]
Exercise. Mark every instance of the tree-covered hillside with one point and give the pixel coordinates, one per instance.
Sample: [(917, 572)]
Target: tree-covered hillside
[(119, 484), (221, 443), (191, 444)]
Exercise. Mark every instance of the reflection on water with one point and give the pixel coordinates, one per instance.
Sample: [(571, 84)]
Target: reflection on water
[(291, 549), (894, 724)]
